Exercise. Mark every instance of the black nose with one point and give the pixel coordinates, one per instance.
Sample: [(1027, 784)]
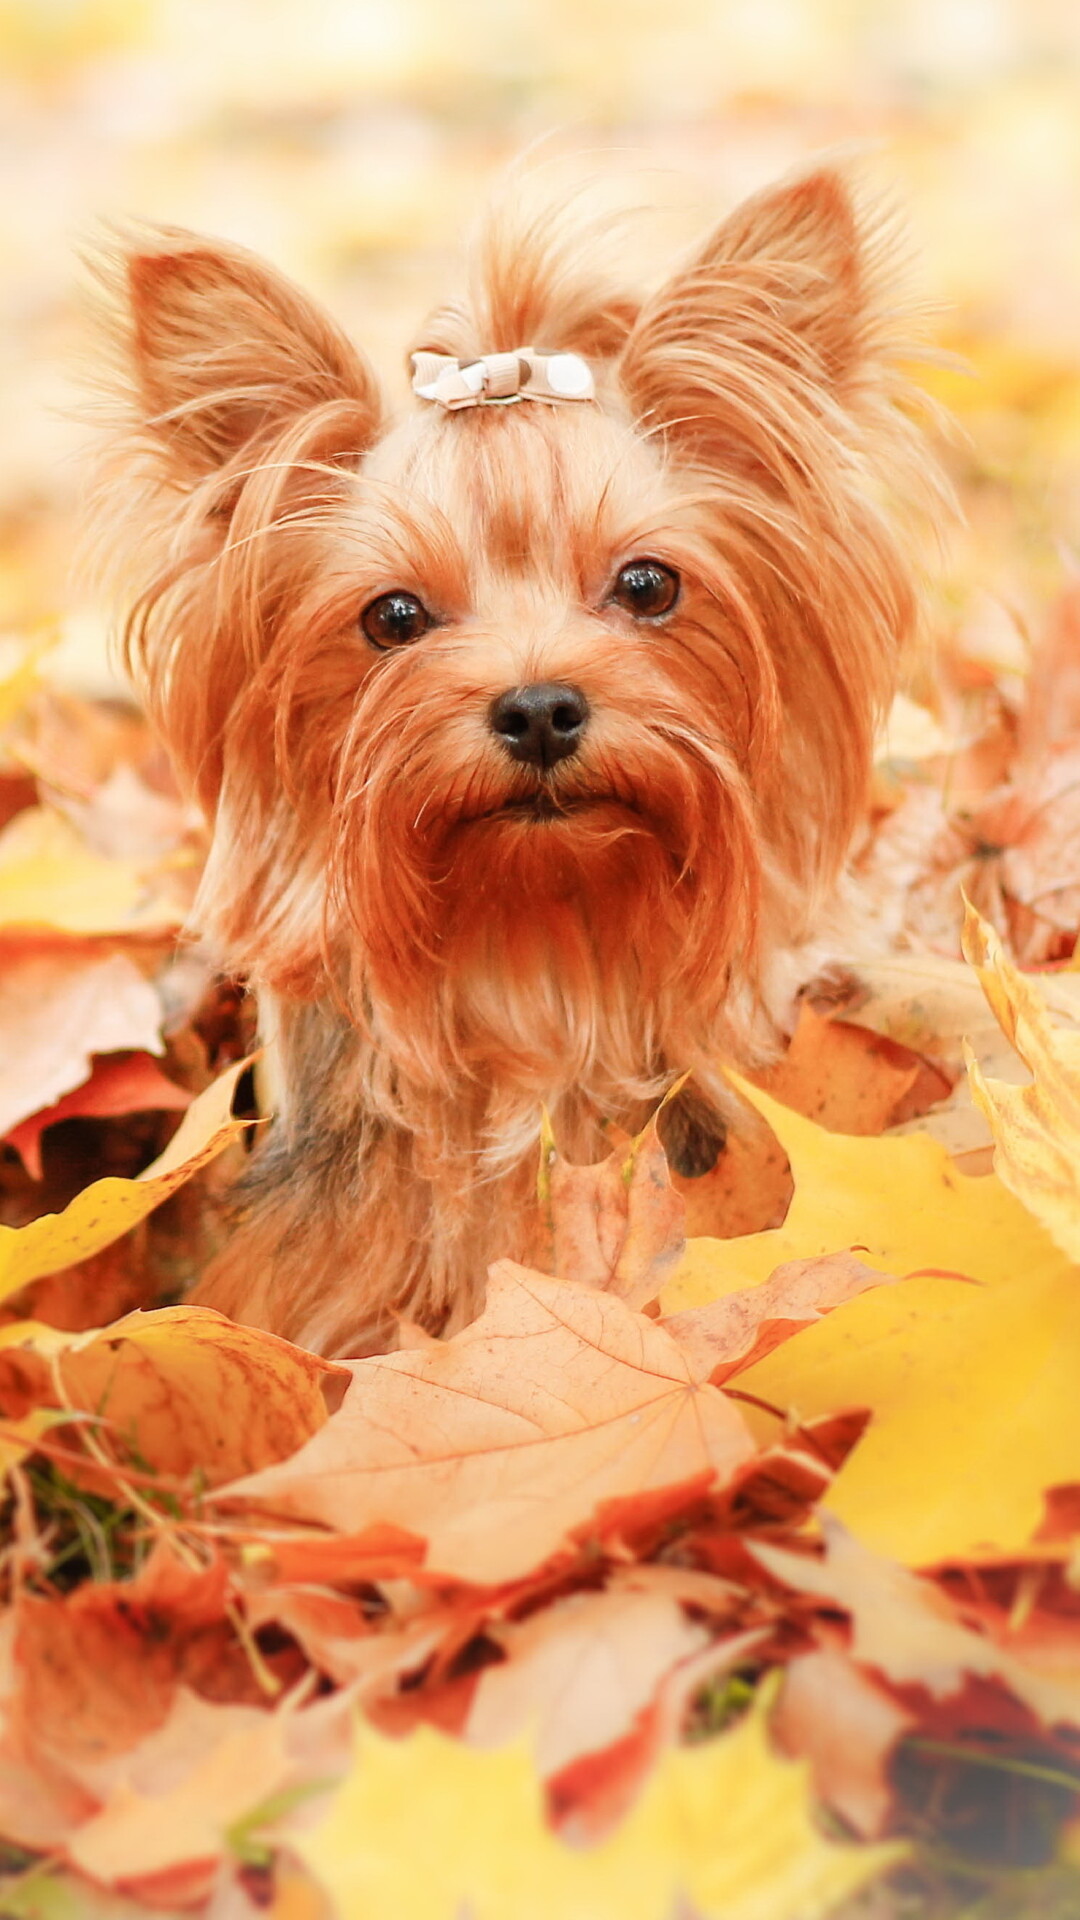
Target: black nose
[(540, 724)]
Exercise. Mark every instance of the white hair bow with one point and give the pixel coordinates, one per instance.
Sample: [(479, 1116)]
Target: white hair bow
[(501, 377)]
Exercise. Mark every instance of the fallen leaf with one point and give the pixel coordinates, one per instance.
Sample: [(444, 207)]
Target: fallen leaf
[(345, 1559), (972, 1387), (730, 1334), (119, 1083), (501, 1443), (1051, 713), (75, 744), (929, 1003), (38, 1807), (616, 1225), (723, 1826), (936, 1006), (342, 1643), (184, 1389), (587, 1799), (97, 1669), (124, 1276), (899, 1202), (1062, 1518), (835, 1715), (17, 686), (22, 1437), (848, 1078), (579, 1672), (974, 1407), (50, 878), (171, 1804), (1035, 823), (747, 1190), (124, 819), (910, 733), (839, 1075), (907, 1628), (1027, 1605), (111, 1207), (88, 1675), (57, 1009), (1036, 1128)]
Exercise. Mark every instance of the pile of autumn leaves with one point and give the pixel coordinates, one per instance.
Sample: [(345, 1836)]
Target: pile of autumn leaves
[(739, 1570)]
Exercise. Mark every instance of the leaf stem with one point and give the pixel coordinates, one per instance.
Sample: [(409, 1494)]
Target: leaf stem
[(1002, 1763)]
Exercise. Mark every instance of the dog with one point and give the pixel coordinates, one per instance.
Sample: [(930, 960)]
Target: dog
[(532, 725)]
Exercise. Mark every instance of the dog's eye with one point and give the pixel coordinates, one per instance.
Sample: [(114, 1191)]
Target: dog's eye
[(394, 619), (646, 589)]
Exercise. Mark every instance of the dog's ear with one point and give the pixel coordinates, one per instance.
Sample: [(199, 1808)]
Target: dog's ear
[(803, 248), (224, 353), (231, 408), (781, 305)]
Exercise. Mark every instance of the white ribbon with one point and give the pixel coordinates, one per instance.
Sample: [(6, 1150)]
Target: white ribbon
[(500, 378)]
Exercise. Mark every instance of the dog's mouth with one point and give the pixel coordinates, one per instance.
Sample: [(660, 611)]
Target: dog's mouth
[(544, 805)]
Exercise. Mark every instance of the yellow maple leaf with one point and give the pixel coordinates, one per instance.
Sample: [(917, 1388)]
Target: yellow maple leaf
[(975, 1409), (1036, 1128), (972, 1386), (17, 686), (725, 1825), (899, 1202), (49, 877)]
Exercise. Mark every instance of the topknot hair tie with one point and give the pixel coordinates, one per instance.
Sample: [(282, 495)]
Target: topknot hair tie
[(500, 378)]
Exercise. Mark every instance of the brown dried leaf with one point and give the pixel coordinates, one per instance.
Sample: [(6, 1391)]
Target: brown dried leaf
[(845, 1078), (618, 1224), (748, 1190), (185, 1388), (338, 1639), (501, 1444), (98, 1668)]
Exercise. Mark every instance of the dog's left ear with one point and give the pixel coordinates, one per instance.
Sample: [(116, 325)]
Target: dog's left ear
[(780, 302)]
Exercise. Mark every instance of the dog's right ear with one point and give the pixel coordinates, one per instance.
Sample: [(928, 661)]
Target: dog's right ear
[(223, 354), (230, 407)]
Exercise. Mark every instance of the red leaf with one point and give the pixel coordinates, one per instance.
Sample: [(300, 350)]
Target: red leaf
[(120, 1083)]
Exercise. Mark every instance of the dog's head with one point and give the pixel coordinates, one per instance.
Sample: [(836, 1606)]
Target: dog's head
[(525, 724)]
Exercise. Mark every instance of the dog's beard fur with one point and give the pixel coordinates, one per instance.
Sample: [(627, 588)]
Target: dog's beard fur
[(445, 940)]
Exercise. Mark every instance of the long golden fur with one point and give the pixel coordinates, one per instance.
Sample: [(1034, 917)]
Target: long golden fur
[(445, 939)]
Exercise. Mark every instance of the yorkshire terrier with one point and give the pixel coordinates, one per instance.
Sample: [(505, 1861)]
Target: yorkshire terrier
[(532, 726)]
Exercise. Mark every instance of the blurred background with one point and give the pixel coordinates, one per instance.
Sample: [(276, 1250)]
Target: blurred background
[(349, 140)]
